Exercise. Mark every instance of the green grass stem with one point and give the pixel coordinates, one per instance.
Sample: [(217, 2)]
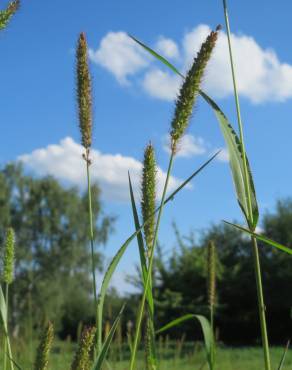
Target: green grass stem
[(258, 277), (99, 334), (150, 267)]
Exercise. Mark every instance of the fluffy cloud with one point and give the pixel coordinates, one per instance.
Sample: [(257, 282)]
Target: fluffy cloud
[(167, 47), (119, 55), (189, 146), (64, 161), (261, 75), (160, 84)]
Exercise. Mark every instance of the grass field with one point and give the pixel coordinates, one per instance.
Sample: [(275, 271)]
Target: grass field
[(190, 357)]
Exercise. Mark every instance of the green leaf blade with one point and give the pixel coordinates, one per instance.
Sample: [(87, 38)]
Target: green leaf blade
[(105, 347), (236, 164), (141, 247), (206, 329), (262, 238)]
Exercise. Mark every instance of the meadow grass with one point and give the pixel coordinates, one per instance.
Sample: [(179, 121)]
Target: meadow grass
[(193, 356), (198, 356)]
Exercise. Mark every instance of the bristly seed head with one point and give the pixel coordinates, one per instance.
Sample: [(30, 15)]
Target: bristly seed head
[(44, 348), (84, 93), (190, 89), (211, 266), (6, 14), (8, 259), (82, 356), (149, 194)]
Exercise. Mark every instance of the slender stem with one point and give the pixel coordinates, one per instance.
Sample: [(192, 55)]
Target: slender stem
[(212, 329), (240, 126), (92, 240), (257, 268), (5, 338), (91, 230), (261, 304), (149, 273)]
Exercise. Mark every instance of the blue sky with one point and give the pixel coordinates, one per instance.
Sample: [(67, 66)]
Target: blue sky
[(133, 101)]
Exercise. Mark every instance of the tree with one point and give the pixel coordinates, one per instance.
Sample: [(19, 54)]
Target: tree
[(182, 287), (52, 254)]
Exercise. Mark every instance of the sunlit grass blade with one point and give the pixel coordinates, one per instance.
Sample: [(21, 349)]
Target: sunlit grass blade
[(156, 55), (206, 329), (252, 214), (262, 238), (237, 165), (106, 345), (116, 259), (284, 356), (3, 312), (141, 246)]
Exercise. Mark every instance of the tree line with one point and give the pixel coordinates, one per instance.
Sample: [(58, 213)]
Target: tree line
[(52, 265)]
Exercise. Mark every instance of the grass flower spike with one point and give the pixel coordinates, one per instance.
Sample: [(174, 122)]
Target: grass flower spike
[(5, 15), (190, 90), (149, 194), (82, 357), (211, 265), (8, 260), (84, 93), (44, 348)]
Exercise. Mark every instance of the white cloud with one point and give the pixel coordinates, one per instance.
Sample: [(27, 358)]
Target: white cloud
[(167, 47), (223, 156), (189, 146), (160, 84), (261, 76), (119, 55), (64, 161)]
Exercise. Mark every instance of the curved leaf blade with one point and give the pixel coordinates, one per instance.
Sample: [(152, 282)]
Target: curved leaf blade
[(262, 238), (157, 56), (141, 247), (206, 329), (236, 164), (105, 347)]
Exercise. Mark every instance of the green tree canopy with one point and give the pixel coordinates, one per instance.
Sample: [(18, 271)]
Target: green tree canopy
[(182, 280), (52, 253)]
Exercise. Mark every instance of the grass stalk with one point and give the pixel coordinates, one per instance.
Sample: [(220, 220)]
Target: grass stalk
[(91, 235), (5, 339), (150, 267), (257, 267)]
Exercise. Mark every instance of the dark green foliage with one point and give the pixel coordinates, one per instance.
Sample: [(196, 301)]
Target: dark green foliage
[(182, 281), (53, 257)]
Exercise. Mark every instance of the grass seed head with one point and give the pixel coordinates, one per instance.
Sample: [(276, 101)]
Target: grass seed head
[(84, 92), (5, 15), (8, 259), (82, 356), (211, 266), (44, 348), (149, 194), (190, 89)]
